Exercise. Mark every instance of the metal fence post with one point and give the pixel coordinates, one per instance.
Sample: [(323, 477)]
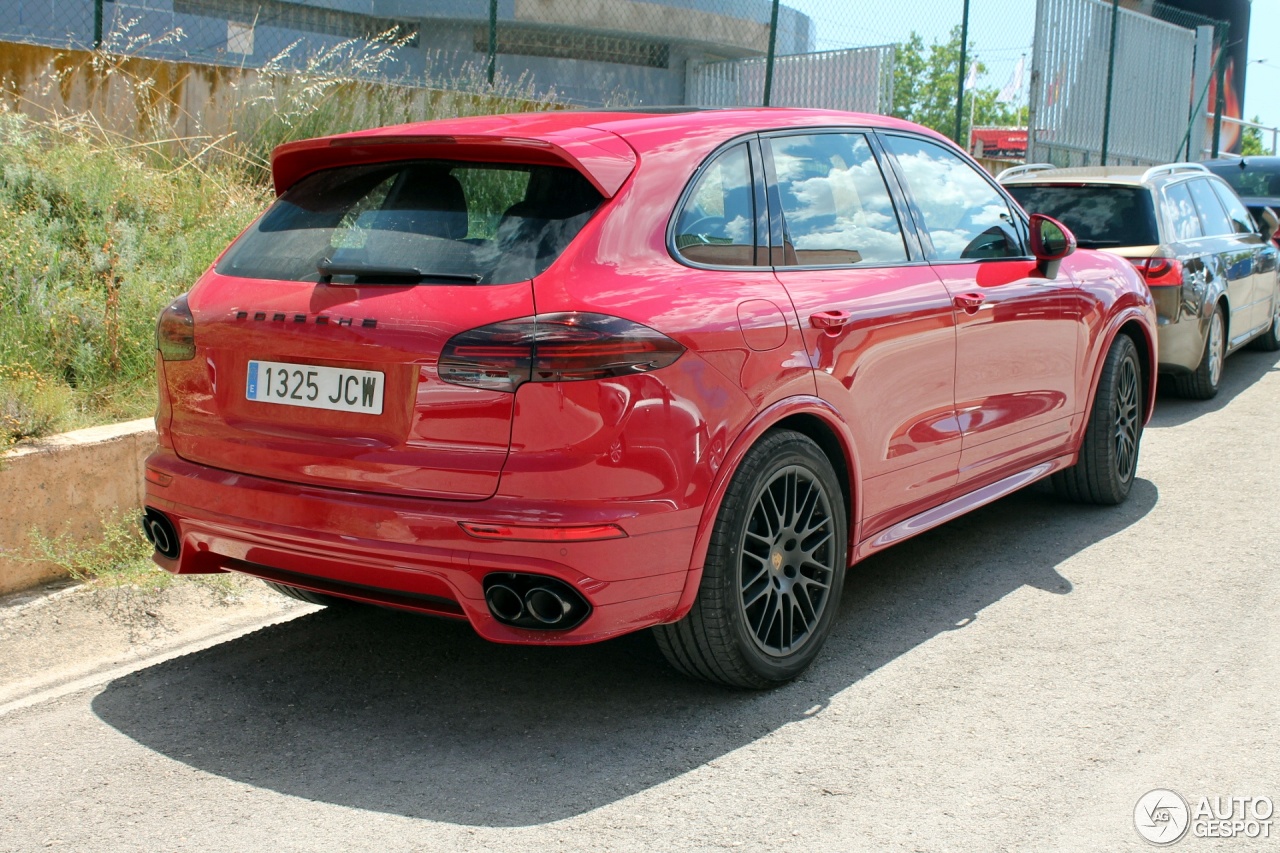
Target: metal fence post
[(1111, 73), (773, 43), (97, 23), (493, 38), (1220, 102), (960, 75)]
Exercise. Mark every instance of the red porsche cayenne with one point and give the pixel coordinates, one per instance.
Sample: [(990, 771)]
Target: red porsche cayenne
[(570, 375)]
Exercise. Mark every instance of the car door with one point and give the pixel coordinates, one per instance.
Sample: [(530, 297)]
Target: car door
[(1233, 259), (1017, 330), (878, 325), (1263, 286)]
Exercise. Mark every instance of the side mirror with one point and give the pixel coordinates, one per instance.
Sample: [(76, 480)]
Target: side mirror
[(1051, 241)]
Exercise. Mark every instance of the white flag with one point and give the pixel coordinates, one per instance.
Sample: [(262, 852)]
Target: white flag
[(1013, 89), (972, 79)]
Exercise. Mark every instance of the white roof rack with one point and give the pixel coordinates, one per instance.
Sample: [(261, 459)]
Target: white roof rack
[(1173, 168), (1027, 169)]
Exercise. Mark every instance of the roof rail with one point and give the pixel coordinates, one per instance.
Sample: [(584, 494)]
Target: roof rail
[(1027, 169), (1172, 168)]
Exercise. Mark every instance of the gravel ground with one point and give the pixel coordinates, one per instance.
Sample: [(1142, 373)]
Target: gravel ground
[(1015, 680)]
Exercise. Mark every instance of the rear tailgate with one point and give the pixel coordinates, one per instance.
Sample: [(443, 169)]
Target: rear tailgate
[(318, 333)]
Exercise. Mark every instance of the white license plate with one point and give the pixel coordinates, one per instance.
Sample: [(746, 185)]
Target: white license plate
[(314, 387)]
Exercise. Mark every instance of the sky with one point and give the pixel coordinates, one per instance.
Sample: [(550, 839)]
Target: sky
[(1001, 30), (1262, 82)]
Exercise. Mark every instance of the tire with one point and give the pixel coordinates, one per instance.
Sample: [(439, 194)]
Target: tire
[(1202, 383), (1269, 341), (308, 596), (1108, 460), (774, 570)]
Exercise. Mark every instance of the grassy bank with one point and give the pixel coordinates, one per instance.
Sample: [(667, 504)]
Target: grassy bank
[(99, 230)]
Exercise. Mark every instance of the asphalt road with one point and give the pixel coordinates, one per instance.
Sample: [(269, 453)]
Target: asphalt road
[(1015, 680)]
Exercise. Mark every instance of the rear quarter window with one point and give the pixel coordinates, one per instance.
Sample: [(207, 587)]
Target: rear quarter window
[(386, 223), (1100, 216)]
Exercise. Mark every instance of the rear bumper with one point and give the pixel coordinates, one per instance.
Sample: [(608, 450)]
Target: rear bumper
[(410, 553), (1181, 344)]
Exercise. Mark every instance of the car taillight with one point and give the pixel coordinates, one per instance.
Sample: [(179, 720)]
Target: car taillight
[(565, 347), (176, 332), (1159, 272)]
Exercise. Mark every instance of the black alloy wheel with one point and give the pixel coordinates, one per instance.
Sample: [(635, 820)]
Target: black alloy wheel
[(1108, 460), (774, 570)]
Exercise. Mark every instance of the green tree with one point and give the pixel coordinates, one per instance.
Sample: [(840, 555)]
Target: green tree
[(924, 88), (1251, 140)]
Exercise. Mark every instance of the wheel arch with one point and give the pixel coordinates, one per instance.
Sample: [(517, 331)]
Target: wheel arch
[(1136, 324), (809, 416)]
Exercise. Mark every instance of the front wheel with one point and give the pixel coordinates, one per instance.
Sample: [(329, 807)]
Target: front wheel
[(1104, 472), (774, 570)]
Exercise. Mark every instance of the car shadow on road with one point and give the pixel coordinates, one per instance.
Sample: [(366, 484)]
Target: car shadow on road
[(407, 715), (1239, 372)]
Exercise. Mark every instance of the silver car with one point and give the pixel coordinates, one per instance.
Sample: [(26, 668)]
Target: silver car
[(1212, 273)]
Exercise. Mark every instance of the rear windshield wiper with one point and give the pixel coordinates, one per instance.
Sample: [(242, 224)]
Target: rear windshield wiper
[(328, 269)]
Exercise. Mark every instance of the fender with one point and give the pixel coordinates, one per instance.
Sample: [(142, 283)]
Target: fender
[(1144, 314), (759, 425)]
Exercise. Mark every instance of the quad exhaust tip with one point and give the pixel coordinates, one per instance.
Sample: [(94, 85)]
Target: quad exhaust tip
[(161, 533), (533, 601)]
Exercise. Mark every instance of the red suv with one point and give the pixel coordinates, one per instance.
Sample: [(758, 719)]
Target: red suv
[(575, 374)]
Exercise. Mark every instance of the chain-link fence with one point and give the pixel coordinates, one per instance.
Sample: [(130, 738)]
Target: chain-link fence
[(999, 76)]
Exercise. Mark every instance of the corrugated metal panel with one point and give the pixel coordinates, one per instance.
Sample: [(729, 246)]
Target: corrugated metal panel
[(1151, 92), (860, 79)]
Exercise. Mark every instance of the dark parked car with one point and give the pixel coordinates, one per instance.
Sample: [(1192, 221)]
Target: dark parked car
[(571, 375), (1211, 271), (1255, 179)]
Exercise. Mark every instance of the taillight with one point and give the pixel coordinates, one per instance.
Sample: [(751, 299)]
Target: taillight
[(566, 347), (176, 332), (1159, 272)]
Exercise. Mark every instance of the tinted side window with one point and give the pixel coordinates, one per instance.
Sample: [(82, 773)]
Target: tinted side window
[(1236, 211), (964, 215), (716, 225), (1212, 216), (1181, 212), (837, 208)]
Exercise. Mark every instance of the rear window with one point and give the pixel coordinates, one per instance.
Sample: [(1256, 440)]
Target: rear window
[(427, 222), (1099, 216)]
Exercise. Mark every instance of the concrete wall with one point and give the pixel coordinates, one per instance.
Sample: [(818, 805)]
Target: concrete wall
[(67, 484)]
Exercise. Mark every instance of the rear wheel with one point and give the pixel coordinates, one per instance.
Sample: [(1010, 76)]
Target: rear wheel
[(1270, 339), (307, 595), (1109, 453), (773, 574), (1202, 383)]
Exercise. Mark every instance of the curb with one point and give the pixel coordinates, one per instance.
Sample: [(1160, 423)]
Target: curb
[(67, 484)]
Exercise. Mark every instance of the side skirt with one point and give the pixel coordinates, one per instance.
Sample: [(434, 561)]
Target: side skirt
[(957, 507)]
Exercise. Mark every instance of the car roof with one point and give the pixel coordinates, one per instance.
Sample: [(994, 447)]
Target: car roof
[(1137, 176), (602, 144), (1260, 162)]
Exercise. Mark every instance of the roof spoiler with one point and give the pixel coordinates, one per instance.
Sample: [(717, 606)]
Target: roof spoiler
[(602, 157)]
